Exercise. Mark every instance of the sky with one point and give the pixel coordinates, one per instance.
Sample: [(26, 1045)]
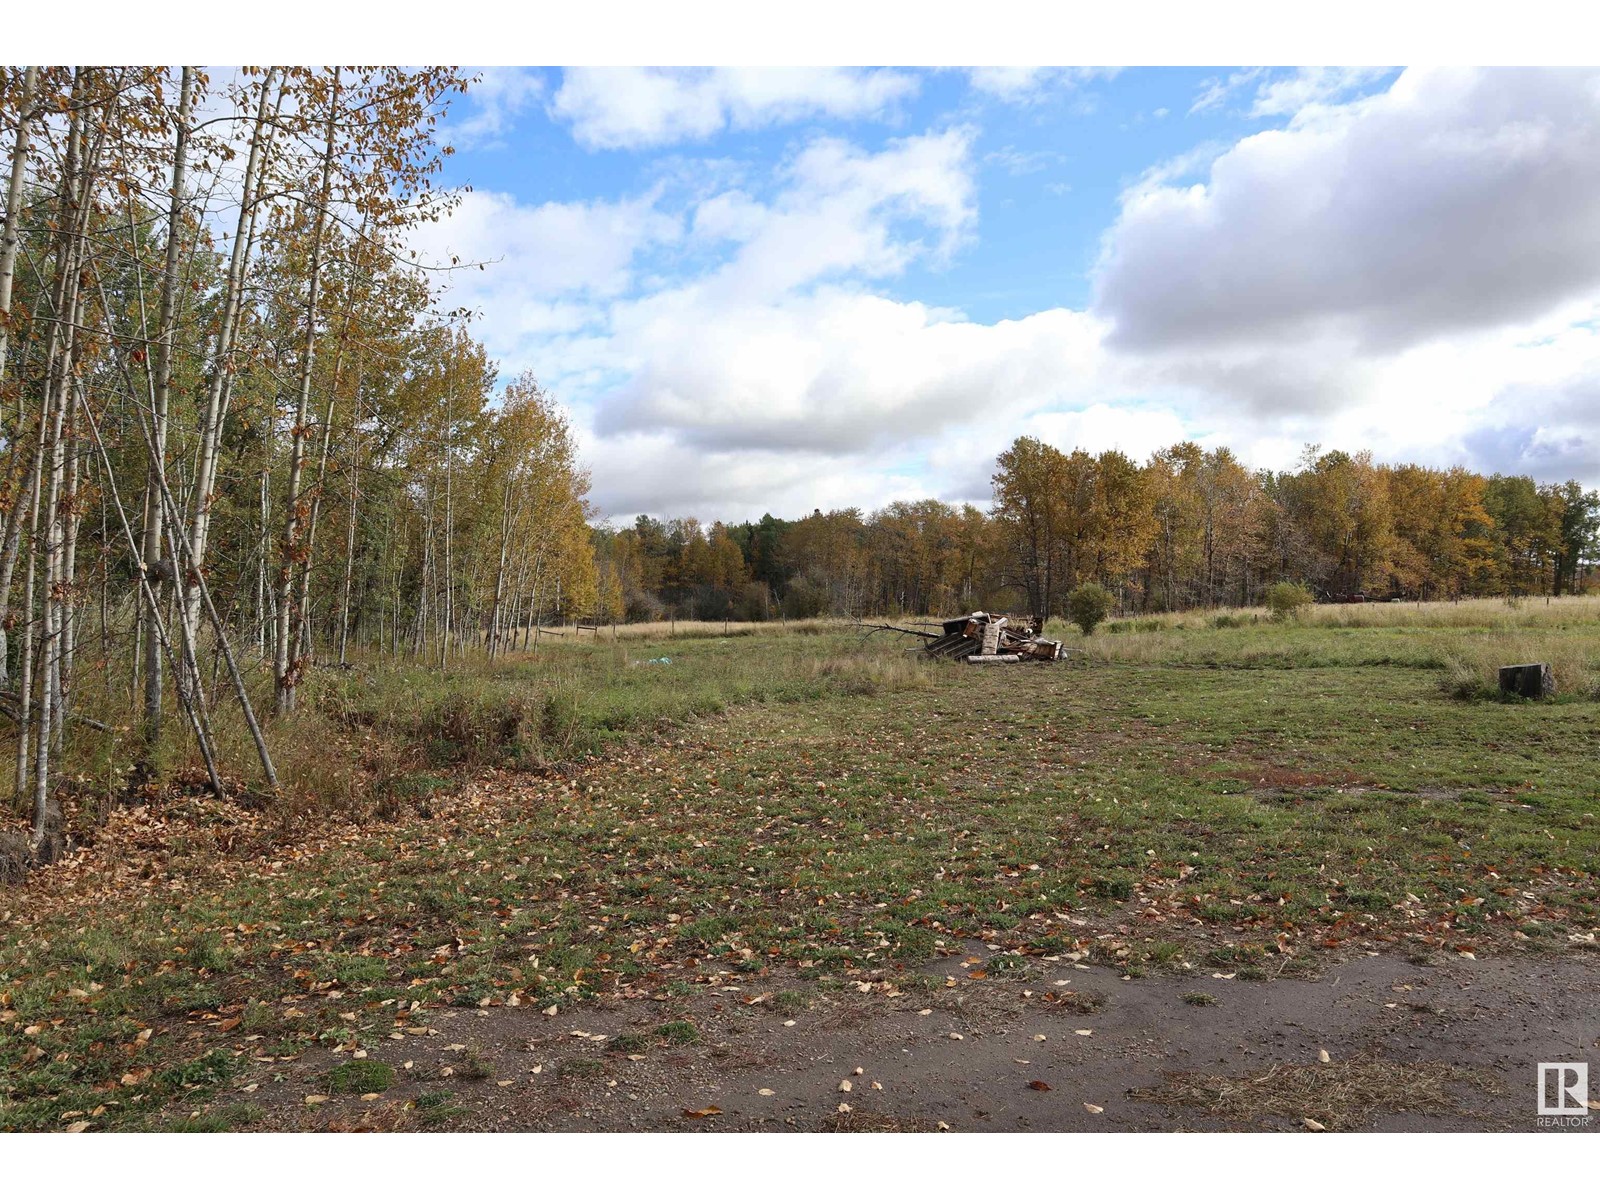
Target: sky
[(774, 290)]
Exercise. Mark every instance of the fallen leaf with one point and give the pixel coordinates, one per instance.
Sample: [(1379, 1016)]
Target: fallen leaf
[(1084, 1032), (844, 1085), (710, 1110), (1322, 1056), (955, 1037), (77, 1127), (1039, 1085), (766, 1092), (316, 1099), (1094, 1108), (1314, 1126)]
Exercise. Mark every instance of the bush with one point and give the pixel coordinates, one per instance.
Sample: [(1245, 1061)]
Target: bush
[(1087, 606), (1285, 600)]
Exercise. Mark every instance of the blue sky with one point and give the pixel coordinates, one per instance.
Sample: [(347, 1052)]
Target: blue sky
[(790, 288)]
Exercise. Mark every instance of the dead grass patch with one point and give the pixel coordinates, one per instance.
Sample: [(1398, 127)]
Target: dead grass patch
[(872, 1122), (1341, 1095)]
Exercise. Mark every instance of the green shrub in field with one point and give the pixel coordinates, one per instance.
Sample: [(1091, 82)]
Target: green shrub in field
[(1285, 600), (1088, 605)]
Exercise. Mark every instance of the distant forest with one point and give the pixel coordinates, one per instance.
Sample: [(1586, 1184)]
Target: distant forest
[(1189, 528)]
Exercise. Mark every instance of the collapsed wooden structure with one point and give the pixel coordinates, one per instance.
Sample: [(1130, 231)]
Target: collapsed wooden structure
[(983, 639)]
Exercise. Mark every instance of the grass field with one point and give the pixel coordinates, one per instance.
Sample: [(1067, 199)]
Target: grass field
[(1194, 794)]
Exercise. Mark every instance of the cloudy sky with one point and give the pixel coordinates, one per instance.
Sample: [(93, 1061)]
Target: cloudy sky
[(782, 289)]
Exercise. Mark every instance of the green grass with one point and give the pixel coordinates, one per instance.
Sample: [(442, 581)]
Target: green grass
[(361, 1076), (797, 802), (677, 1033), (434, 1109)]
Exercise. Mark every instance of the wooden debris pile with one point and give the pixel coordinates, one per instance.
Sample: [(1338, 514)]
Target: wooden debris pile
[(984, 638), (980, 638)]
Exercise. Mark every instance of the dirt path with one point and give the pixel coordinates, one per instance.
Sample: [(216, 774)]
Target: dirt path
[(1443, 1046)]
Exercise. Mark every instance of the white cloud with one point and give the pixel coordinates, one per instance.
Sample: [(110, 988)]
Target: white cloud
[(1287, 95), (1023, 162), (656, 473), (832, 370), (1136, 431), (1214, 93), (844, 210), (1280, 94), (1028, 85), (613, 108), (548, 268), (778, 346), (1417, 273), (1456, 200), (500, 95)]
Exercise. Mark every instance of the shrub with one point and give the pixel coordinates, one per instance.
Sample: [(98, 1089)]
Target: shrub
[(1087, 606), (1285, 600)]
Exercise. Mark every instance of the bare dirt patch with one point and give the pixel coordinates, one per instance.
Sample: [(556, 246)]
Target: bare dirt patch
[(1445, 1047)]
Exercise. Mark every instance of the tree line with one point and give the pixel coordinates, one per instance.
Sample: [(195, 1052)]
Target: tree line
[(238, 439), (1188, 528)]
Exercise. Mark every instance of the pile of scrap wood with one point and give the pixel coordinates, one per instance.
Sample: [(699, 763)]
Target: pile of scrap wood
[(984, 638)]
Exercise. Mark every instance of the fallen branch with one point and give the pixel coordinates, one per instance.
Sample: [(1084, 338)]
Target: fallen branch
[(11, 697), (870, 628)]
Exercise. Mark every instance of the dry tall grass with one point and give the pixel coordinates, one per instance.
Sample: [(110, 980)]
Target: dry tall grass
[(1467, 643), (659, 630), (1526, 613)]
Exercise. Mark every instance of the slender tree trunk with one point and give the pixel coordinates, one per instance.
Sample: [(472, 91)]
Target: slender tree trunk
[(73, 519), (160, 400), (264, 535), (449, 532), (9, 241), (303, 651), (350, 535), (10, 238), (59, 383), (220, 383), (286, 673)]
